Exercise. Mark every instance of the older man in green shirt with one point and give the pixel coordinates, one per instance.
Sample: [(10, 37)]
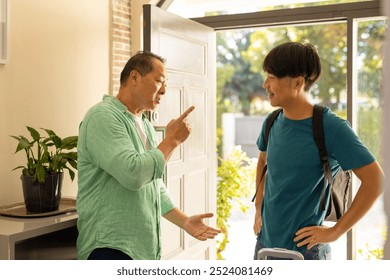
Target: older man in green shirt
[(121, 195)]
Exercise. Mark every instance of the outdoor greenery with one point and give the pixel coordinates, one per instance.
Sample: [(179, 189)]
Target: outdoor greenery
[(241, 52), (241, 82), (236, 181), (47, 155), (369, 253)]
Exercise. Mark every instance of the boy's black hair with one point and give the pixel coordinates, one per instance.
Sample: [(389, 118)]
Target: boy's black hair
[(293, 59)]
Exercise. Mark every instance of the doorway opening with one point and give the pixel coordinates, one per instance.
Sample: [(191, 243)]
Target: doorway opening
[(350, 47)]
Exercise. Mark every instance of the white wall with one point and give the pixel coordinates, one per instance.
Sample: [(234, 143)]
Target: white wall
[(58, 67)]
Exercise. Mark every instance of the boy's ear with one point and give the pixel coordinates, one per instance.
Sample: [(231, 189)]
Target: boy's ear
[(298, 82)]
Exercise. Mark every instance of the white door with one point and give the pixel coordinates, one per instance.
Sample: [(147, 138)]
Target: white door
[(189, 48)]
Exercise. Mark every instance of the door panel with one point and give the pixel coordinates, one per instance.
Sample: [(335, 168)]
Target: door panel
[(171, 107), (196, 200), (178, 50), (173, 240), (197, 142), (189, 49)]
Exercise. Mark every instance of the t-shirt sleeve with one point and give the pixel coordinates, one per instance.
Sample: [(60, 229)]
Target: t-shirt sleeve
[(345, 146), (261, 139)]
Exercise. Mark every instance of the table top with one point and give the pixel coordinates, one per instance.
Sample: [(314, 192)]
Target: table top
[(10, 226), (15, 226), (15, 220), (18, 210)]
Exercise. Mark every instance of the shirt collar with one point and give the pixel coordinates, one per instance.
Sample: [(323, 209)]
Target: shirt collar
[(119, 105)]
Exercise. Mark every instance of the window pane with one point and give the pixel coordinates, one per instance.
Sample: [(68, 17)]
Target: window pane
[(201, 8), (370, 230)]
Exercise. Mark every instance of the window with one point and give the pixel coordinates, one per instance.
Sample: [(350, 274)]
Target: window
[(370, 231)]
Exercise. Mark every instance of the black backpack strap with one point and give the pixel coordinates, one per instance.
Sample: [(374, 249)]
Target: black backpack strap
[(269, 122), (261, 179), (318, 133)]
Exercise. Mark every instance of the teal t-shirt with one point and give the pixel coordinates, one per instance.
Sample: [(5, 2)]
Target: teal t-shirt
[(295, 177)]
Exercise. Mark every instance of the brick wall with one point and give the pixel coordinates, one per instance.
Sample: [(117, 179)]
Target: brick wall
[(120, 40)]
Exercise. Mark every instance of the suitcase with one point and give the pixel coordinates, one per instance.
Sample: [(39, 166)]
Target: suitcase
[(264, 253)]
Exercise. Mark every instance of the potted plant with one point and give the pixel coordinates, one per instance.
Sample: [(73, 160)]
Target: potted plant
[(42, 176)]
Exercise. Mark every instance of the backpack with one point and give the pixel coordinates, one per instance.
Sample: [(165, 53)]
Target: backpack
[(340, 186)]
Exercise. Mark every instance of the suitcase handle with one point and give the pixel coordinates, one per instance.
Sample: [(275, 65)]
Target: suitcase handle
[(264, 253)]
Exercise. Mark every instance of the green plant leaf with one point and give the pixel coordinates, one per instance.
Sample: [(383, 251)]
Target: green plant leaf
[(23, 143), (45, 157), (236, 176), (57, 141), (34, 133), (31, 163), (18, 167), (73, 163), (25, 172), (49, 132), (71, 174), (69, 143), (69, 155), (44, 154), (40, 173)]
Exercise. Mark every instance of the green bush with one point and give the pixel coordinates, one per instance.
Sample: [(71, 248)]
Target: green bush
[(236, 180)]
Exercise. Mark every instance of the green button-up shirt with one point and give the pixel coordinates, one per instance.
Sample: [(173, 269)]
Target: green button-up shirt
[(121, 194)]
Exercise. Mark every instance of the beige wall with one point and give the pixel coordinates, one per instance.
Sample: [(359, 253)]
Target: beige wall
[(58, 67)]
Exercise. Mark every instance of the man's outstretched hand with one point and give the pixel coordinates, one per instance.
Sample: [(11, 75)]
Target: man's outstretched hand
[(195, 226)]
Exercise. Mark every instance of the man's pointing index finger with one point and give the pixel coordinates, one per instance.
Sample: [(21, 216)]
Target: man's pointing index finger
[(186, 113)]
